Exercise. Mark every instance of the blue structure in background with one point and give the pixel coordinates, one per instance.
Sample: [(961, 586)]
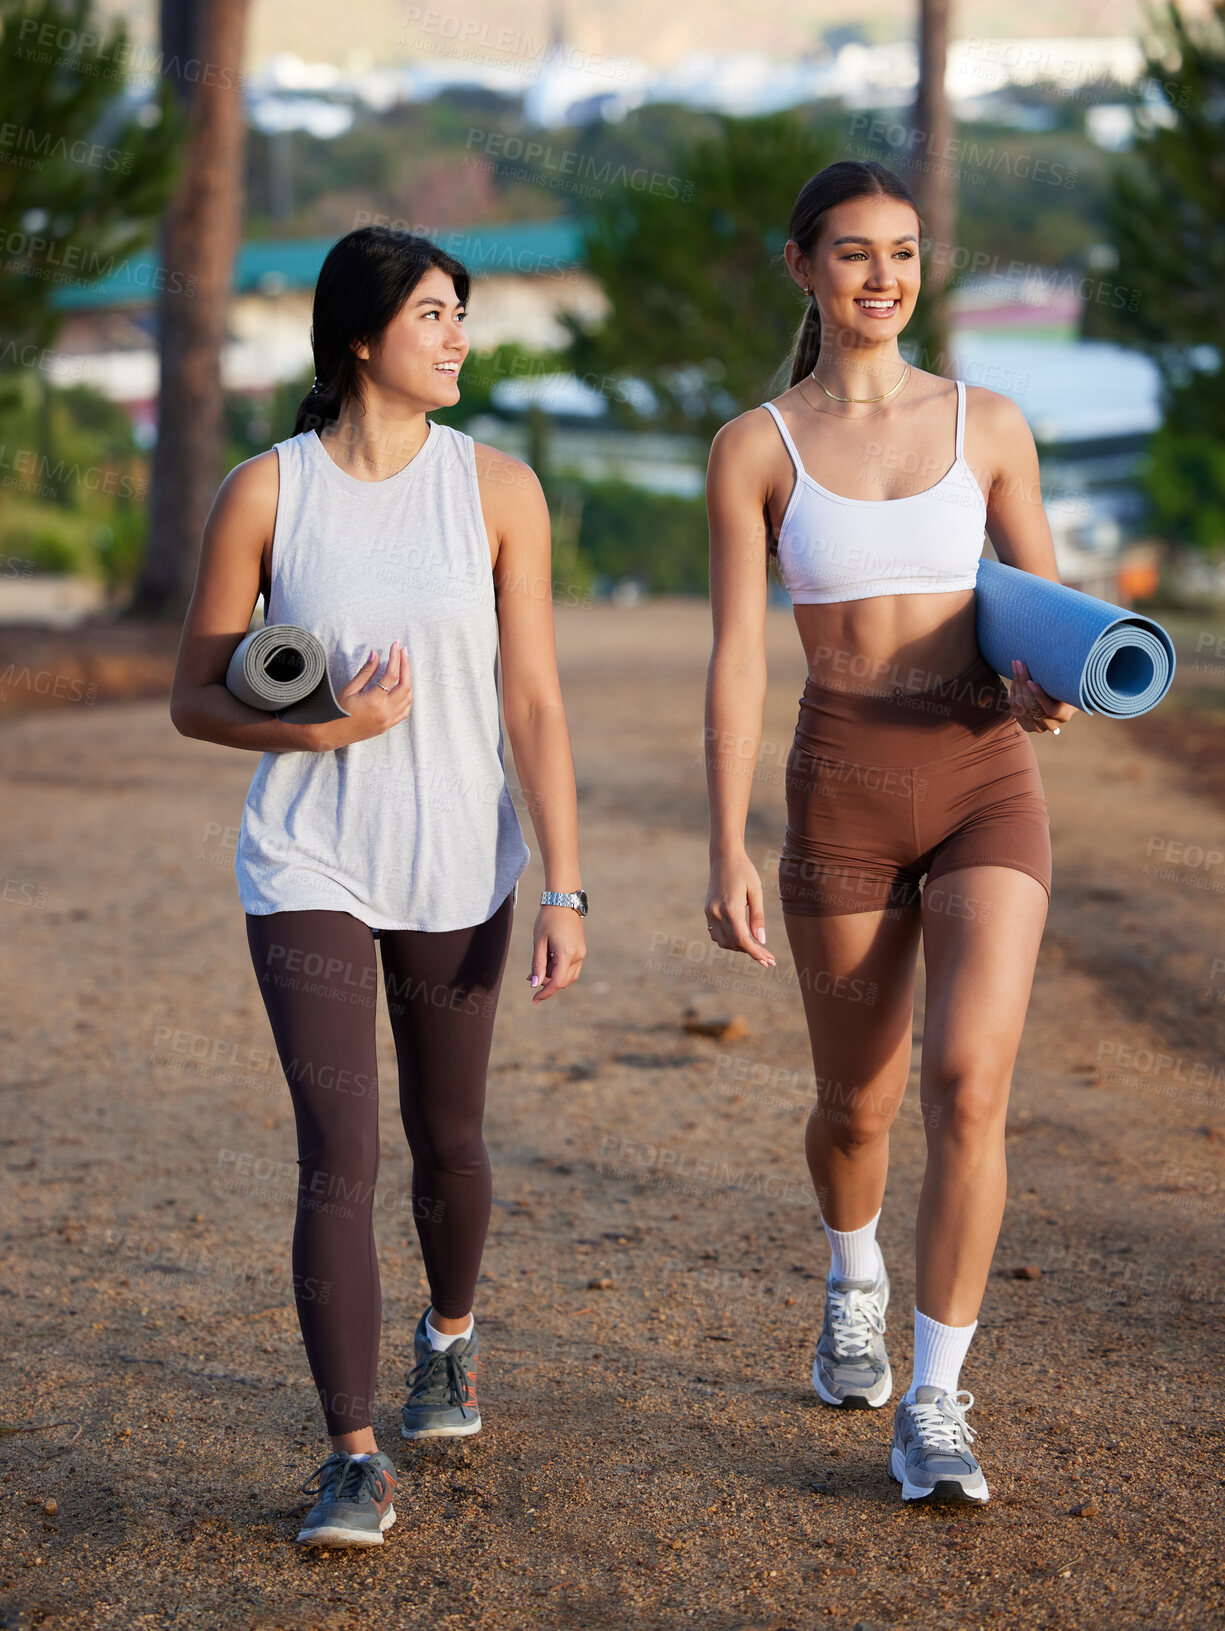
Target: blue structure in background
[(272, 265)]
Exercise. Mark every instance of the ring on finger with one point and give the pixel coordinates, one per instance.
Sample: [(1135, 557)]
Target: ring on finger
[(383, 687)]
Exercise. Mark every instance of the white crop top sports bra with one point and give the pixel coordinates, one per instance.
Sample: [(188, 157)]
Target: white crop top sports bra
[(833, 548)]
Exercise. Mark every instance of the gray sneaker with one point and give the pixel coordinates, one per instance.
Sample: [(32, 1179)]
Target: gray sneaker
[(931, 1457), (441, 1389), (851, 1367), (354, 1505)]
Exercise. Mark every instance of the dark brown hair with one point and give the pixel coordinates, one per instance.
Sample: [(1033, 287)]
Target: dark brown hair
[(364, 281)]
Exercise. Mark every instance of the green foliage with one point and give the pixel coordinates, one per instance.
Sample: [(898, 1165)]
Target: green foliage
[(252, 423), (1032, 197), (702, 306), (443, 161), (81, 508), (1184, 468), (1166, 216), (42, 539), (1164, 212), (399, 164), (83, 183), (1185, 482), (624, 532)]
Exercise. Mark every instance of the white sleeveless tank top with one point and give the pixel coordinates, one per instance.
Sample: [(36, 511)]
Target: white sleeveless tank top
[(834, 548), (416, 828)]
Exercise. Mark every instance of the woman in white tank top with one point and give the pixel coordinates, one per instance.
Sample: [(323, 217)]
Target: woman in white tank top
[(874, 480), (422, 562)]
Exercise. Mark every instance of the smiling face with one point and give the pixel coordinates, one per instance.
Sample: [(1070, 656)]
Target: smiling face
[(418, 358), (863, 268)]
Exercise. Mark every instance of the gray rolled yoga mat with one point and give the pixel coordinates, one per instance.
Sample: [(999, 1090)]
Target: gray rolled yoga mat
[(1101, 658), (283, 670)]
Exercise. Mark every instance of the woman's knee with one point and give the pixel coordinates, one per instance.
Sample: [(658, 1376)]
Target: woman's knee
[(967, 1101), (458, 1150), (852, 1120), (341, 1159)]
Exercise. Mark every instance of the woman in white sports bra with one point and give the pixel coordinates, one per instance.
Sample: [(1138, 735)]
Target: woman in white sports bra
[(874, 481)]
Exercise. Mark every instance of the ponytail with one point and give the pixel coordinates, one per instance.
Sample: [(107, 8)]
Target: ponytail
[(319, 407), (807, 347)]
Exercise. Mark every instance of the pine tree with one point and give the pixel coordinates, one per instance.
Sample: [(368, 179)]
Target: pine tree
[(702, 305), (1166, 221), (82, 179)]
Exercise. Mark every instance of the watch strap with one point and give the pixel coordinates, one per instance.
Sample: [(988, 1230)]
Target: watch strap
[(576, 899)]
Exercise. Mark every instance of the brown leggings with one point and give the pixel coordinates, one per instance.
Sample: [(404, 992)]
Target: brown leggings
[(318, 977)]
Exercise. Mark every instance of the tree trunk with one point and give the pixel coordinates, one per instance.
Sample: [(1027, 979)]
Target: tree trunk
[(202, 43), (937, 189)]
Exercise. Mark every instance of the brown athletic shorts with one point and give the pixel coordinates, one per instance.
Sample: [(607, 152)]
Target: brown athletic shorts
[(882, 789)]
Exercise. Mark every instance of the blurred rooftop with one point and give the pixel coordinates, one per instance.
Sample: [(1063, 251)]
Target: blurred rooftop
[(270, 266)]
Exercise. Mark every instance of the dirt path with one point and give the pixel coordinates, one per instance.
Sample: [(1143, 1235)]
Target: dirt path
[(652, 1283)]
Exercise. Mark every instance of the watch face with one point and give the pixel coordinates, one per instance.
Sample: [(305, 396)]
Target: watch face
[(582, 902)]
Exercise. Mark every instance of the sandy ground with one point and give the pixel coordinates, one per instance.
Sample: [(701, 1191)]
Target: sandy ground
[(652, 1449)]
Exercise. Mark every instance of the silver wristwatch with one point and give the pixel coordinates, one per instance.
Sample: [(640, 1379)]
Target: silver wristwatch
[(578, 900)]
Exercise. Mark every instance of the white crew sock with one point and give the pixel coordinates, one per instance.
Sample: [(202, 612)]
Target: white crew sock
[(443, 1339), (854, 1254), (939, 1353), (364, 1456)]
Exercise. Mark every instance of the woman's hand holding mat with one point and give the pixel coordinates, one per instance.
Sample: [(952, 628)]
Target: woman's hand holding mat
[(1031, 707), (282, 669), (1079, 650), (374, 705)]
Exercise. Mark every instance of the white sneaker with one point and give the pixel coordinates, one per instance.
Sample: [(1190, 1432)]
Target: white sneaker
[(851, 1367), (930, 1456)]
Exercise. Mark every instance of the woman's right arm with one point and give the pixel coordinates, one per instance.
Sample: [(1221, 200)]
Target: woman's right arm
[(239, 526), (735, 680)]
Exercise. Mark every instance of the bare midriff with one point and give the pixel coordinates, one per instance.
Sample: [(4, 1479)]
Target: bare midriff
[(884, 644)]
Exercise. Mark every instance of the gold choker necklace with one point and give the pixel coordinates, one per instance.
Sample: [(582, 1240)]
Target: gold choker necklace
[(885, 398)]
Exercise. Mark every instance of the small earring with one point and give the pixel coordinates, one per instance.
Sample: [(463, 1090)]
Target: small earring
[(808, 289)]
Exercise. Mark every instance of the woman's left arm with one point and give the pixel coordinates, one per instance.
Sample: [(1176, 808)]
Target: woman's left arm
[(1019, 532), (517, 521)]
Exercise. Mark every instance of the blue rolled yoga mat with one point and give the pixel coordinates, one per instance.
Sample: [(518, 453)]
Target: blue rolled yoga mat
[(1101, 658)]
